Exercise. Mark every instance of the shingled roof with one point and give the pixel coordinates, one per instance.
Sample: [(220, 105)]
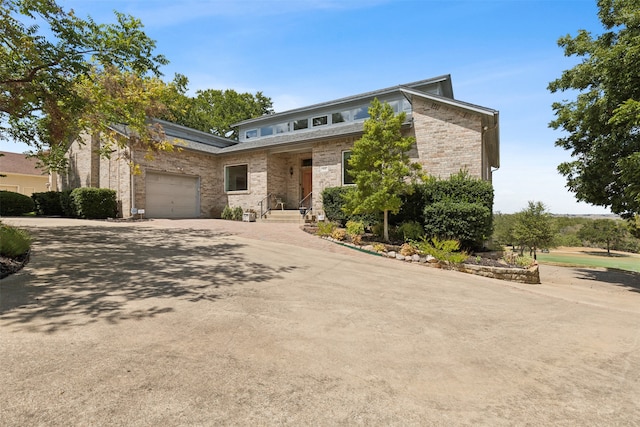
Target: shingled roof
[(17, 163)]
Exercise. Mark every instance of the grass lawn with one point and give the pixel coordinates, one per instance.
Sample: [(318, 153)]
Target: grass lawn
[(587, 257)]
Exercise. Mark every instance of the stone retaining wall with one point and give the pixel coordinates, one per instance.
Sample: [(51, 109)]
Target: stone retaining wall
[(530, 276)]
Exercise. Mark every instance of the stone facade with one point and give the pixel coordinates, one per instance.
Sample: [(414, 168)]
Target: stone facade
[(448, 140), (450, 136), (84, 164)]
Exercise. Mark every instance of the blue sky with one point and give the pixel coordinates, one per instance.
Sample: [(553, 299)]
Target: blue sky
[(501, 54)]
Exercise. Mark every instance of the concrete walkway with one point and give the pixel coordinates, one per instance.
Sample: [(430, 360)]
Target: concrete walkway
[(205, 322)]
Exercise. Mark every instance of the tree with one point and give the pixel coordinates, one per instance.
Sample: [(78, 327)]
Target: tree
[(533, 228), (604, 231), (603, 122), (380, 165), (503, 225), (48, 59), (215, 111)]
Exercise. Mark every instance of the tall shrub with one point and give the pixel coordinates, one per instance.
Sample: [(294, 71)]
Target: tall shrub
[(94, 203), (470, 223), (459, 208)]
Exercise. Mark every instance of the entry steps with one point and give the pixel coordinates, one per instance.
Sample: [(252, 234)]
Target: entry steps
[(284, 216)]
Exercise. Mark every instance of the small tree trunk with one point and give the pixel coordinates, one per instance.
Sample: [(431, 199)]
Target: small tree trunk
[(386, 226)]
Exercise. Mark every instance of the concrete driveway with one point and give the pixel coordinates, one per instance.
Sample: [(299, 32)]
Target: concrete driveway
[(215, 323)]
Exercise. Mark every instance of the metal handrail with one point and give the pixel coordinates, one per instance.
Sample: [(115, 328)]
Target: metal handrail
[(301, 203), (265, 210)]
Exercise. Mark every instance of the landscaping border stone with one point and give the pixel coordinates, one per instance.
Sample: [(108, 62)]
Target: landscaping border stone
[(529, 276)]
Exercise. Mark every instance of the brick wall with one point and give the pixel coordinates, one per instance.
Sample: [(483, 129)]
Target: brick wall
[(82, 167), (327, 166), (447, 140), (257, 170), (183, 162)]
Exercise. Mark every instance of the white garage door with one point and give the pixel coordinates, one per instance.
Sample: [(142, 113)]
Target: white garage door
[(172, 196)]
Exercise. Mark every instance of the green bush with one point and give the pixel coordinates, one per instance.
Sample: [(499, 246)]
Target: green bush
[(410, 230), (47, 203), (14, 204), (325, 228), (332, 203), (13, 241), (443, 250), (66, 202), (355, 228), (237, 213), (227, 213), (94, 203), (468, 222)]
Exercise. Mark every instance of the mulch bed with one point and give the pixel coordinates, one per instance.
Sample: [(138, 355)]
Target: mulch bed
[(10, 266)]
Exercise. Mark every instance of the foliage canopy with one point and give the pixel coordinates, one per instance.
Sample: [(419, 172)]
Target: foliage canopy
[(57, 70), (533, 227), (215, 111), (603, 121)]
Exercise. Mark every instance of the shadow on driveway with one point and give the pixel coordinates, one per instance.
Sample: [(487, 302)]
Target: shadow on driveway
[(623, 278), (80, 275)]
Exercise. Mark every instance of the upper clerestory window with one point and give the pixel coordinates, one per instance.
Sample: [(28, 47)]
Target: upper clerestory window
[(301, 124), (320, 121)]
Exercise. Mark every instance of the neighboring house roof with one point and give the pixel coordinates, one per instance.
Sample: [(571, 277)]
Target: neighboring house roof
[(18, 163)]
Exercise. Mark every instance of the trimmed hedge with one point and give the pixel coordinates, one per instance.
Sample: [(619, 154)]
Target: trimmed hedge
[(470, 223), (47, 203), (94, 203), (13, 204)]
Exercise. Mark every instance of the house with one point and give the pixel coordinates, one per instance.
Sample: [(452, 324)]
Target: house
[(22, 175), (291, 156)]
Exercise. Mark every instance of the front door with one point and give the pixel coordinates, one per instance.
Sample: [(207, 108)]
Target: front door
[(307, 182)]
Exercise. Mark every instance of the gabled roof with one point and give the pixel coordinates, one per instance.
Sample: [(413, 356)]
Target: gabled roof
[(18, 163)]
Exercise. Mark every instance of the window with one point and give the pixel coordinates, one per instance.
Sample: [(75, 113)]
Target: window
[(267, 130), (282, 128), (301, 124), (340, 117), (236, 178), (395, 105), (361, 113), (253, 133), (320, 121), (347, 179)]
